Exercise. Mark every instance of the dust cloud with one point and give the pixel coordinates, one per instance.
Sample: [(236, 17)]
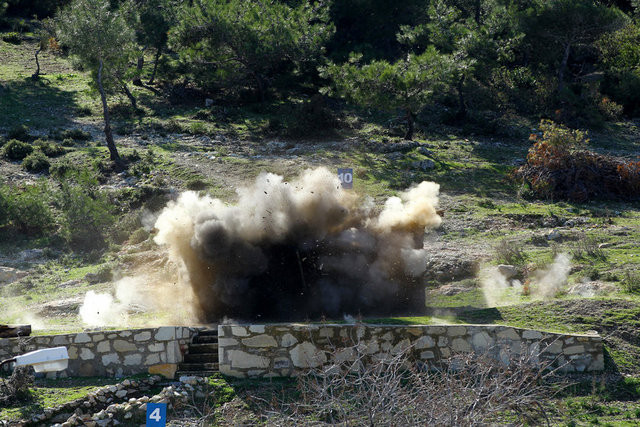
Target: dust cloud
[(499, 288), (299, 250)]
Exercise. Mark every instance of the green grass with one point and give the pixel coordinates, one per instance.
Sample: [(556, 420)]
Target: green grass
[(52, 393)]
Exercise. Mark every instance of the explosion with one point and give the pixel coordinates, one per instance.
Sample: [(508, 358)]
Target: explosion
[(300, 250)]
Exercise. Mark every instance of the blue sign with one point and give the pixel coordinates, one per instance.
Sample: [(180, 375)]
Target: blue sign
[(346, 177), (157, 414)]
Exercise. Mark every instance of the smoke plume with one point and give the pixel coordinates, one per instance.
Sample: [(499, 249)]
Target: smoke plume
[(300, 249)]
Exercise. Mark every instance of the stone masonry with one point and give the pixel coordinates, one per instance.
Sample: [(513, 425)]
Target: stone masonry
[(289, 349), (111, 353)]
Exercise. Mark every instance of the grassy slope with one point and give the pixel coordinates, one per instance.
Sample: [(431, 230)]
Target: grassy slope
[(472, 172)]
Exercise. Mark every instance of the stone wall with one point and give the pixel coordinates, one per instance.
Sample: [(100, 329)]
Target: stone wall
[(288, 349), (111, 353)]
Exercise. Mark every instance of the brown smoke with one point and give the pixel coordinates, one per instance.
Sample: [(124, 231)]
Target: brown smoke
[(301, 249)]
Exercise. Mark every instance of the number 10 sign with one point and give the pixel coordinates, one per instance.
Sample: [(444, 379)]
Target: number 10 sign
[(346, 177)]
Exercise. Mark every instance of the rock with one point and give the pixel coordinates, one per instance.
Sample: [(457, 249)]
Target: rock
[(260, 341), (190, 380), (396, 155), (306, 355), (423, 165), (425, 151), (10, 275), (605, 245), (30, 255), (208, 102), (167, 370), (508, 271), (553, 235), (121, 393)]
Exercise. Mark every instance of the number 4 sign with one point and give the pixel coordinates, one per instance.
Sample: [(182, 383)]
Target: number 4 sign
[(346, 177), (157, 414)]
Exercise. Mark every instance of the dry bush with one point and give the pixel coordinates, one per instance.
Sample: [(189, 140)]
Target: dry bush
[(510, 252), (16, 388), (557, 168), (465, 390)]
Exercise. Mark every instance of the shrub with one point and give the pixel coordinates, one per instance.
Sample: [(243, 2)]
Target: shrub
[(510, 252), (196, 183), (12, 37), (17, 150), (28, 209), (19, 132), (75, 134), (631, 282), (394, 388), (49, 148), (139, 236), (86, 212), (556, 169), (36, 162)]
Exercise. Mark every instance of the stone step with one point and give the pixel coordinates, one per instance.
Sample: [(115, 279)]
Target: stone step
[(208, 332), (201, 358), (205, 339), (197, 367), (203, 348), (195, 373)]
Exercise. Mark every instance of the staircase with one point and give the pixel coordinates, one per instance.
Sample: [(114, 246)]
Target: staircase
[(202, 355)]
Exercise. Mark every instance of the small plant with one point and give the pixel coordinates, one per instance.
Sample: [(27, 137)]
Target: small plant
[(16, 388), (17, 150), (36, 162), (631, 282), (588, 247), (196, 183), (139, 236), (510, 252), (74, 134), (12, 37), (19, 132), (49, 148)]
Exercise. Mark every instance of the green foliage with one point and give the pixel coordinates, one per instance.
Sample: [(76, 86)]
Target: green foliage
[(75, 134), (39, 8), (49, 148), (406, 85), (13, 38), (631, 281), (19, 132), (237, 42), (138, 236), (510, 252), (16, 150), (86, 211), (561, 137), (26, 210), (36, 162), (97, 34)]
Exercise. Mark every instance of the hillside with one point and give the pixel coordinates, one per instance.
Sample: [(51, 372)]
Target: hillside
[(84, 227)]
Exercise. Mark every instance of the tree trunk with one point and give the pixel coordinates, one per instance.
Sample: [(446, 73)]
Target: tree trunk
[(111, 145), (7, 331), (139, 66), (155, 65), (410, 125), (563, 67), (36, 75), (462, 108), (260, 87), (478, 10), (132, 99)]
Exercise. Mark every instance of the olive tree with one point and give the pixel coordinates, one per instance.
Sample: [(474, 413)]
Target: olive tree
[(102, 42)]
